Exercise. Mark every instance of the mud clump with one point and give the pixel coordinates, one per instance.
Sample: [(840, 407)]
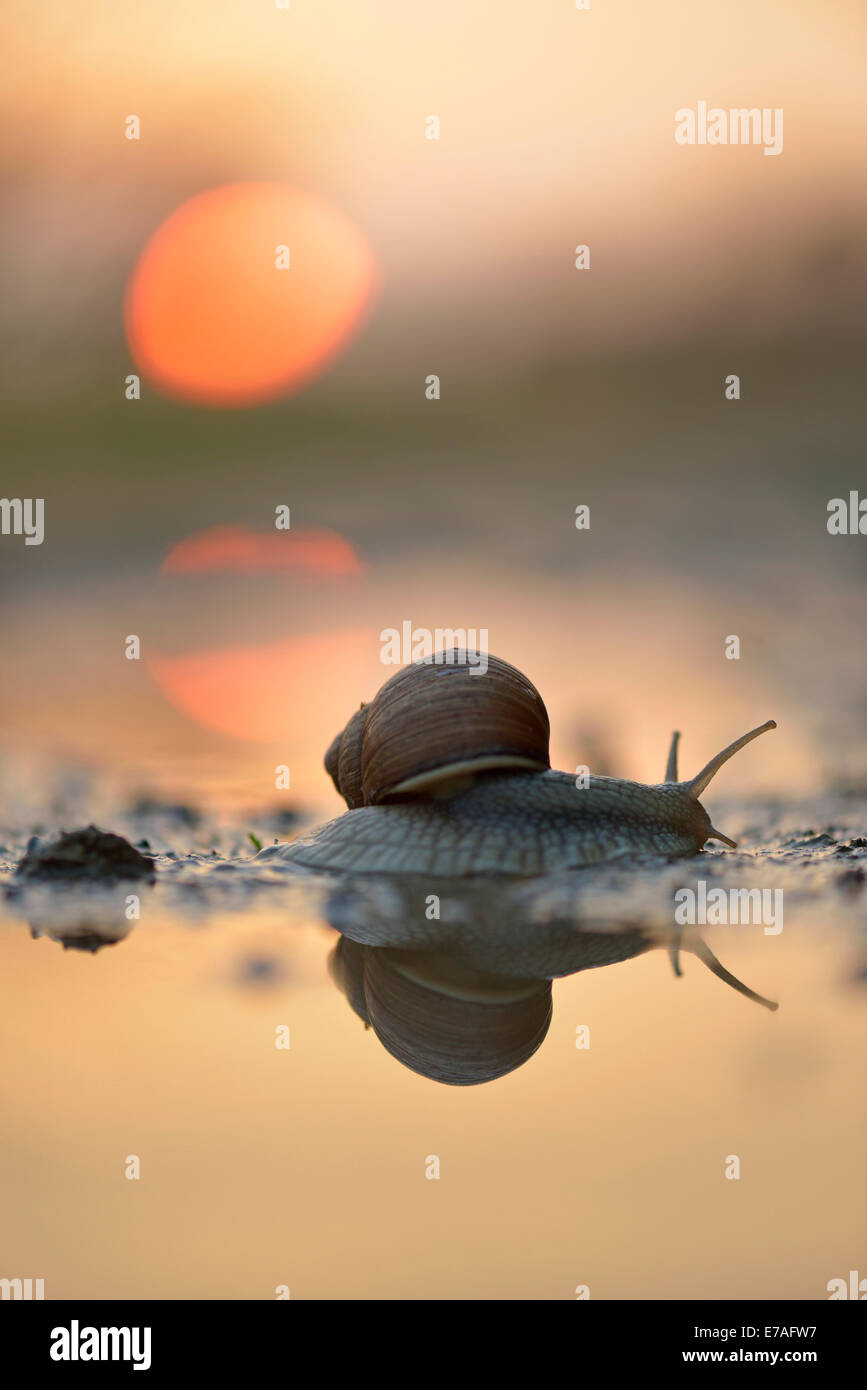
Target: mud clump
[(91, 855)]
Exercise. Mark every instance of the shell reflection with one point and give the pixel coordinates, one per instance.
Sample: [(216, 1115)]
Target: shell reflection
[(458, 986)]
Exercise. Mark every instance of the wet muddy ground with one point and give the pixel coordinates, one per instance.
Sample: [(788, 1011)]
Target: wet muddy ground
[(813, 851), (611, 1099)]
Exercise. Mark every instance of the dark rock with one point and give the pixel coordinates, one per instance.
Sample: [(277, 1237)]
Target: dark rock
[(91, 853)]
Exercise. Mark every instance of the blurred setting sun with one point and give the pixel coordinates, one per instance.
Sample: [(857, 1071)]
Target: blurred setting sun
[(244, 293)]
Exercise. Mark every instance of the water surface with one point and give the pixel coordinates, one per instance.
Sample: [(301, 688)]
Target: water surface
[(600, 1165)]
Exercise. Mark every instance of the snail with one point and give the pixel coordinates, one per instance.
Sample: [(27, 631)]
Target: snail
[(446, 773)]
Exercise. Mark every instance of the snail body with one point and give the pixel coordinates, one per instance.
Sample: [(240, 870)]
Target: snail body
[(437, 787)]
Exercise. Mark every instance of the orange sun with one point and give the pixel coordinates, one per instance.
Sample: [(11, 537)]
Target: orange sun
[(212, 319)]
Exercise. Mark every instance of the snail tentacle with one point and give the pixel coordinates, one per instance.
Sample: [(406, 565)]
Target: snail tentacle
[(671, 765), (718, 835), (697, 784)]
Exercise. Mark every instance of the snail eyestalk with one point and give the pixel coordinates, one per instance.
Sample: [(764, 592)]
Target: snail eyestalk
[(671, 766), (696, 786)]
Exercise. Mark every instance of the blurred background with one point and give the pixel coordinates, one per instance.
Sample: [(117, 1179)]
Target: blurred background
[(559, 387), (414, 257)]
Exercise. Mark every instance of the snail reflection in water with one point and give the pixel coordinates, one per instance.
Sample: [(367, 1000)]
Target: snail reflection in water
[(447, 774), (468, 998), (438, 1016)]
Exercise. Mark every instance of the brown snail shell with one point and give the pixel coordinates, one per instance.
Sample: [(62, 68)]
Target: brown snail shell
[(343, 760), (435, 724)]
